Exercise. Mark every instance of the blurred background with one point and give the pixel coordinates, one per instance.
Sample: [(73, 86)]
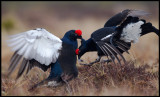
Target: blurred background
[(60, 16)]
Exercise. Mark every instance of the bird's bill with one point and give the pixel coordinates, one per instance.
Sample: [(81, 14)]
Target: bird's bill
[(80, 54), (79, 37)]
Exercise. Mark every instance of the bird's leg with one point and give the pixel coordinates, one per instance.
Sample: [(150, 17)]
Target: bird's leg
[(104, 61), (38, 84), (79, 60), (48, 82), (97, 60), (108, 60)]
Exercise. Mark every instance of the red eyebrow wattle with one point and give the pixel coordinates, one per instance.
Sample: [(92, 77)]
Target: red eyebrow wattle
[(78, 32)]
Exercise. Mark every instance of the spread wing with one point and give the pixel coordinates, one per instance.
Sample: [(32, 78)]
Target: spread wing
[(104, 44), (120, 17), (36, 47)]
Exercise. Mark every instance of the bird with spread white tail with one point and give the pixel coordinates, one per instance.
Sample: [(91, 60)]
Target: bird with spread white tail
[(40, 48)]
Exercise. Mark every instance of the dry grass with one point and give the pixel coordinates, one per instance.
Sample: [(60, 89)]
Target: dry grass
[(99, 79)]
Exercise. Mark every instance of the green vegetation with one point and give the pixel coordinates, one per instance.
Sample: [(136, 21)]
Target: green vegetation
[(8, 25)]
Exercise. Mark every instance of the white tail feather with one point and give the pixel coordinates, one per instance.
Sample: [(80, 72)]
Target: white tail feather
[(37, 44)]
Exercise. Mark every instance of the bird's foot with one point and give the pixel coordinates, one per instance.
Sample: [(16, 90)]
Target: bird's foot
[(47, 82), (79, 60), (86, 64), (106, 61), (38, 84), (90, 64), (53, 84)]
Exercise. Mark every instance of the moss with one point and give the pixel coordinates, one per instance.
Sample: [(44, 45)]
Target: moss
[(8, 24)]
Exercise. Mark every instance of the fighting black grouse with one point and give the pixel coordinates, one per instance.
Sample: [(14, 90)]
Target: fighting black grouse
[(116, 36), (40, 48)]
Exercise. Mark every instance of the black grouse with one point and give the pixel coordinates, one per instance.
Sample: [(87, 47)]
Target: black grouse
[(113, 40), (40, 48)]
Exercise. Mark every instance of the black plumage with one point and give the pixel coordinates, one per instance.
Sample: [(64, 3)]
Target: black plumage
[(63, 60), (116, 36), (69, 63), (117, 19), (121, 16), (103, 47)]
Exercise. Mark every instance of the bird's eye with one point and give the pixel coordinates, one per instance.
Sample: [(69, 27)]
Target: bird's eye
[(78, 32)]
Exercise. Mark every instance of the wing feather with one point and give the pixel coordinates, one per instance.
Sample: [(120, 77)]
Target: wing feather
[(22, 68), (14, 64), (18, 46), (40, 42), (13, 56), (28, 67), (14, 43), (38, 45), (122, 48), (123, 44), (121, 16), (107, 53), (112, 53), (117, 51)]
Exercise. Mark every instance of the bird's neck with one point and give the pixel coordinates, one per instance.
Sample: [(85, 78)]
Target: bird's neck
[(90, 45), (86, 46), (70, 41)]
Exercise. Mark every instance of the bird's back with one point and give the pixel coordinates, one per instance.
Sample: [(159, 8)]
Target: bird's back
[(102, 33)]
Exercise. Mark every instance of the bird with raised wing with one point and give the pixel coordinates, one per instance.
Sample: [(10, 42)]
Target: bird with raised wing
[(40, 48), (116, 36)]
